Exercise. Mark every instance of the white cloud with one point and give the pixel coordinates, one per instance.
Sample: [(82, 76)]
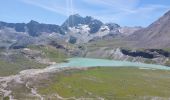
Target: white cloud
[(126, 7), (57, 6), (121, 11), (120, 5), (118, 11)]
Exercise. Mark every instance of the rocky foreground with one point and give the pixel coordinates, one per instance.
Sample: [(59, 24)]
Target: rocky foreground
[(27, 78)]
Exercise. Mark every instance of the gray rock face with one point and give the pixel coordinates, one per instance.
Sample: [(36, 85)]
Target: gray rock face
[(75, 29), (129, 30), (33, 28), (156, 56), (112, 26), (148, 53), (9, 37), (76, 20), (73, 20), (19, 27), (155, 35)]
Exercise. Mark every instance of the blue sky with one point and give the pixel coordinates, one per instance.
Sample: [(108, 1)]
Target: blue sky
[(123, 12)]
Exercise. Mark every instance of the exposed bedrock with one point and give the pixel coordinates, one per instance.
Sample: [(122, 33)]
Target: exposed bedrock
[(148, 53)]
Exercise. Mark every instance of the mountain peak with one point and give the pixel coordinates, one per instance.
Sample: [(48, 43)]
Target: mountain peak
[(89, 17), (34, 22), (75, 15), (73, 20), (167, 13)]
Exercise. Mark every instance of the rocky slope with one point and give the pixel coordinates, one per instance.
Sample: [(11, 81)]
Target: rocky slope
[(155, 56), (155, 35), (129, 30)]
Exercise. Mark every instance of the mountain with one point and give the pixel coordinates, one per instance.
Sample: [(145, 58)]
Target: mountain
[(129, 30), (77, 20), (155, 35), (33, 28), (76, 29), (36, 29), (85, 29)]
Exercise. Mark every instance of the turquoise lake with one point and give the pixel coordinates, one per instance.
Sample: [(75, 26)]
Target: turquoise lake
[(91, 62)]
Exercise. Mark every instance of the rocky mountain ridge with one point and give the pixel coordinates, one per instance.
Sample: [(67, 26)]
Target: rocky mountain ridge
[(155, 35), (75, 29)]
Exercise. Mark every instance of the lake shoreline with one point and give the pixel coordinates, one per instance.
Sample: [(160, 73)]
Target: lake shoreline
[(72, 63)]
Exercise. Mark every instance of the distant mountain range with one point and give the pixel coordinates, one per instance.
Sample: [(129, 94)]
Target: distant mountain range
[(77, 29), (33, 28)]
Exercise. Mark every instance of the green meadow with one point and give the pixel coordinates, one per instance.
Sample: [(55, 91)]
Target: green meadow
[(109, 83), (18, 62)]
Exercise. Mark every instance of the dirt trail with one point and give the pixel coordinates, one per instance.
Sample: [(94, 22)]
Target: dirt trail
[(4, 81), (34, 91), (22, 76)]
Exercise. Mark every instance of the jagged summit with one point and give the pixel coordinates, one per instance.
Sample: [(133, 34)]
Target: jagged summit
[(76, 20), (78, 15), (73, 20), (33, 22)]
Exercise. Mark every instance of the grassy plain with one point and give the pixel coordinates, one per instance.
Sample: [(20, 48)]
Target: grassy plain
[(110, 83)]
